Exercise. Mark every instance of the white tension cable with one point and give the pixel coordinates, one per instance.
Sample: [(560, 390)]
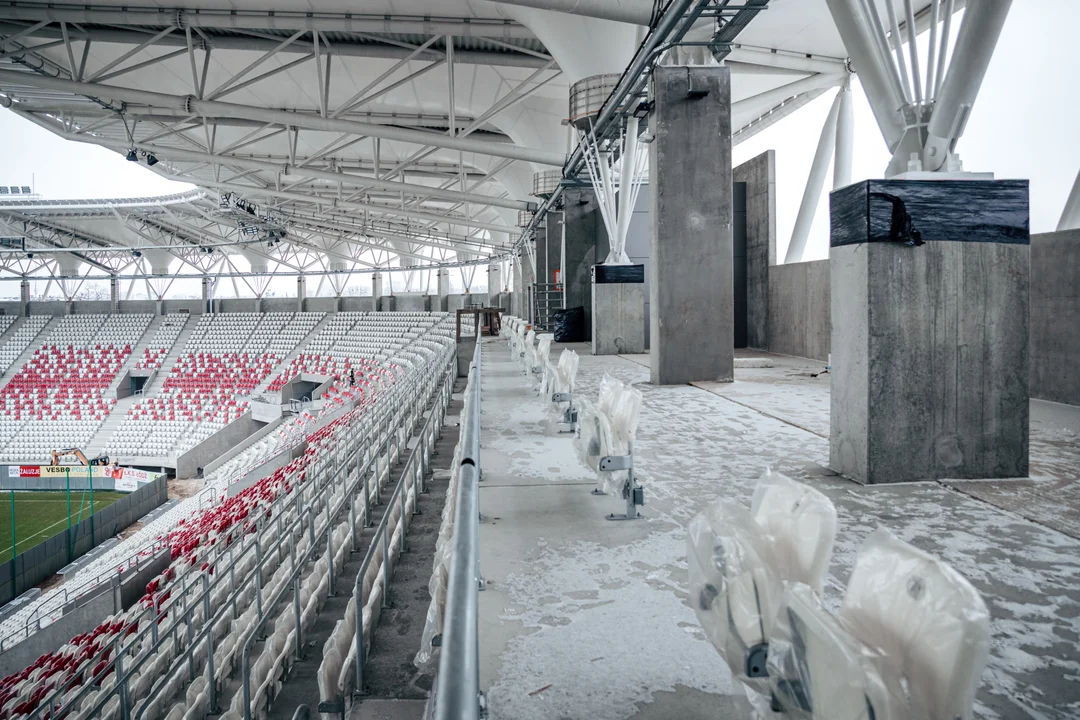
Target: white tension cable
[(617, 207)]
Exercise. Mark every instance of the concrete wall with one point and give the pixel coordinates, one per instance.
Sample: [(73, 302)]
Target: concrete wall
[(48, 307), (39, 562), (213, 447), (457, 302), (412, 302), (81, 617), (285, 304), (759, 174), (799, 320), (145, 307), (1055, 316), (241, 446)]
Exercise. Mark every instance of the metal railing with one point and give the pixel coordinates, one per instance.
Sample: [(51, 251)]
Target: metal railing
[(389, 425), (457, 695)]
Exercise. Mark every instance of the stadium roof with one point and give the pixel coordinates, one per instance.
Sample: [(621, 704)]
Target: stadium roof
[(407, 132)]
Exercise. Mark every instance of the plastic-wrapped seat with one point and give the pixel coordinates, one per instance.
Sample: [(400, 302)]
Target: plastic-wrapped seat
[(911, 641), (817, 669), (741, 561)]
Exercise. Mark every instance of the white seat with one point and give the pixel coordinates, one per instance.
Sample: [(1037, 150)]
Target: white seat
[(911, 641), (741, 561)]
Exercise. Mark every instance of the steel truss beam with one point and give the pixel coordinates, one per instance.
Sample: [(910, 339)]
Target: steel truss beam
[(216, 109), (277, 20)]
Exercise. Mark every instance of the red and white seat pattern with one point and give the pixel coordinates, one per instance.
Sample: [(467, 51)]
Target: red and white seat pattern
[(16, 345), (207, 543), (57, 398), (157, 350), (224, 360)]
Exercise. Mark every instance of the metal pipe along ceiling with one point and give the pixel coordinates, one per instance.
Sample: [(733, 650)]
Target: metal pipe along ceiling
[(637, 12), (248, 20), (215, 109)]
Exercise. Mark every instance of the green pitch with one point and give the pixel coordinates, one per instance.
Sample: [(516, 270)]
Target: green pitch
[(40, 515)]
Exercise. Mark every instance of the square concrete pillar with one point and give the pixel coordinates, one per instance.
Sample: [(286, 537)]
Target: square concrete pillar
[(516, 287), (528, 284), (301, 292), (442, 280), (929, 330), (494, 278), (24, 298), (114, 294), (585, 241), (691, 290), (618, 309), (376, 290)]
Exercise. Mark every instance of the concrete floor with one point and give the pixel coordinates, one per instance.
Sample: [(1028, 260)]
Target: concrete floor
[(585, 618)]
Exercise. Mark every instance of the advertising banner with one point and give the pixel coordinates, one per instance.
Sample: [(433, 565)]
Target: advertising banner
[(127, 479)]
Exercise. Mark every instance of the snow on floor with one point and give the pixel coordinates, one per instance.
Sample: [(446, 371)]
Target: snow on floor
[(585, 618)]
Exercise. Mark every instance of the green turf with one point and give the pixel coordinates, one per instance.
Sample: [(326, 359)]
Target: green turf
[(40, 515)]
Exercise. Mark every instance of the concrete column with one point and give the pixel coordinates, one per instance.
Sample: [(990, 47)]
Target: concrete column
[(207, 295), (494, 284), (585, 240), (528, 285), (376, 290), (691, 289), (114, 294), (929, 330), (516, 288), (442, 280), (301, 292), (24, 298)]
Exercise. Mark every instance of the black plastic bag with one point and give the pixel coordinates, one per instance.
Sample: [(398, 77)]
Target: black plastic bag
[(569, 325)]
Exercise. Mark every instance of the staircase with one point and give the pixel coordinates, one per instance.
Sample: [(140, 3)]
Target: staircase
[(136, 354), (28, 352), (119, 410), (11, 330), (301, 347)]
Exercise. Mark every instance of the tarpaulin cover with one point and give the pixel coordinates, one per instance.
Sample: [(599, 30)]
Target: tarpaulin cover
[(569, 325)]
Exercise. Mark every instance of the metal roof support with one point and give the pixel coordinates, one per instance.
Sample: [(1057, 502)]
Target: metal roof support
[(857, 31), (1070, 215), (743, 111), (845, 138), (276, 20), (774, 115), (636, 12), (975, 43), (264, 44), (814, 184), (214, 109)]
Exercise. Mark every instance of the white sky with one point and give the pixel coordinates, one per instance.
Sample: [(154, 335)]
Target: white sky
[(1023, 126)]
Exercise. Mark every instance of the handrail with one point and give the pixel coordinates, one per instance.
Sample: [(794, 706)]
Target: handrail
[(458, 690), (380, 538), (392, 415), (347, 500)]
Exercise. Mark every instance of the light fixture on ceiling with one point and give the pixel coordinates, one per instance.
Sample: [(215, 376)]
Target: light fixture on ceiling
[(151, 160), (132, 156)]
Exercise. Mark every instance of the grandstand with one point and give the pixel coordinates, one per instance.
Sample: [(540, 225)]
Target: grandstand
[(265, 458)]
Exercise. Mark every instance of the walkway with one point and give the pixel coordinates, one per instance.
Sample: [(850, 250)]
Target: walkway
[(586, 618)]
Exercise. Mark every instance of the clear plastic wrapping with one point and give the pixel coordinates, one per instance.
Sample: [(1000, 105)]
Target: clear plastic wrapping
[(801, 523), (818, 669), (566, 371), (925, 619), (733, 588), (593, 440)]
